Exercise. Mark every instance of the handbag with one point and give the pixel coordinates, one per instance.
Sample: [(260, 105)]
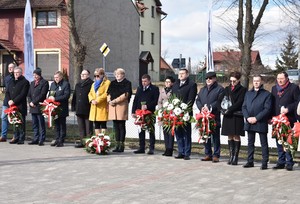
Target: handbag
[(226, 103)]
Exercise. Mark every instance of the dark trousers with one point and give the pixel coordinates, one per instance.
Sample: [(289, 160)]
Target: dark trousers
[(19, 133), (184, 139), (283, 157), (215, 140), (120, 130), (39, 127), (264, 146), (169, 140), (142, 139), (61, 129), (84, 125)]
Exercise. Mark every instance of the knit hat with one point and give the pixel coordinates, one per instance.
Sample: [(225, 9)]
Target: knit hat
[(38, 71)]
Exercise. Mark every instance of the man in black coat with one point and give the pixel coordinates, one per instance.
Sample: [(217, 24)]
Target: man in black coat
[(186, 90), (81, 104), (207, 99), (60, 91), (16, 95), (285, 100), (37, 93), (149, 94), (256, 111)]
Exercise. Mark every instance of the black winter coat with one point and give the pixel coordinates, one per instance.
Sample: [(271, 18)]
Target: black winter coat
[(288, 99), (80, 100), (150, 96), (37, 94), (17, 91), (210, 98), (187, 92), (257, 104), (233, 124), (62, 93)]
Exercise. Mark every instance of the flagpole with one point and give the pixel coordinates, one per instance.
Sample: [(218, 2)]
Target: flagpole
[(28, 43), (209, 59)]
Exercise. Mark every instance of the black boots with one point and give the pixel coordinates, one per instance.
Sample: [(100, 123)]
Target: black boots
[(168, 152), (119, 147), (231, 151), (237, 145)]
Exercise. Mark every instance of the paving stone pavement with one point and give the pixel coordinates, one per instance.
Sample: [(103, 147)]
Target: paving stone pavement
[(34, 174)]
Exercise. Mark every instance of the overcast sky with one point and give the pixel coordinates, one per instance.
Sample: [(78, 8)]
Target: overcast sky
[(184, 30)]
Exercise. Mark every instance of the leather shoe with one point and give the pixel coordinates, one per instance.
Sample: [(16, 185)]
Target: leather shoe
[(33, 143), (278, 166), (20, 142), (179, 156), (248, 165), (139, 151), (206, 158), (2, 139), (54, 143), (264, 167), (150, 152), (289, 167), (60, 144), (79, 145), (13, 141), (41, 144), (186, 158), (215, 160)]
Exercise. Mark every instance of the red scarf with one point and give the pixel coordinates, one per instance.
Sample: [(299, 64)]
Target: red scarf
[(280, 89)]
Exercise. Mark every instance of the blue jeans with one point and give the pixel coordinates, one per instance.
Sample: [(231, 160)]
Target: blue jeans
[(4, 124), (283, 157), (38, 126), (215, 139), (184, 139)]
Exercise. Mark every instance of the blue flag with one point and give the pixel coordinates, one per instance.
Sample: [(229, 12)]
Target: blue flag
[(28, 43), (209, 59)]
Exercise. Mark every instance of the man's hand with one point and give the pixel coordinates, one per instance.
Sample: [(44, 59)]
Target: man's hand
[(31, 104), (10, 102)]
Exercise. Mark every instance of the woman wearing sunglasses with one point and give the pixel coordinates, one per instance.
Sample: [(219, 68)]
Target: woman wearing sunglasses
[(98, 100)]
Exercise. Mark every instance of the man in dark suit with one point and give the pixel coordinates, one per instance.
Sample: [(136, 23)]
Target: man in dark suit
[(285, 100), (60, 91), (16, 94), (186, 90), (149, 94), (37, 93)]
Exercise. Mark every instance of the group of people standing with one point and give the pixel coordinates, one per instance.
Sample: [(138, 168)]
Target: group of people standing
[(99, 100)]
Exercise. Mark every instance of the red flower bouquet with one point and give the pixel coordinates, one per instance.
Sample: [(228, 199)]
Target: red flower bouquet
[(14, 117), (99, 144), (206, 124), (145, 119), (50, 110), (282, 131)]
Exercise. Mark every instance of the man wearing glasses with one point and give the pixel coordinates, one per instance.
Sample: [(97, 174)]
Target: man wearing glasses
[(207, 101), (16, 94)]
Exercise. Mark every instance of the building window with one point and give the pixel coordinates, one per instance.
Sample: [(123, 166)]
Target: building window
[(152, 38), (152, 12), (48, 61), (142, 37), (46, 18), (152, 66)]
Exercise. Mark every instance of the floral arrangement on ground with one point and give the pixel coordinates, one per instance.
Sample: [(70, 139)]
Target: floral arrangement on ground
[(99, 144)]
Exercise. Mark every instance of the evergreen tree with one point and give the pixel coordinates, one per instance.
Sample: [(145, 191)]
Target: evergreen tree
[(288, 55)]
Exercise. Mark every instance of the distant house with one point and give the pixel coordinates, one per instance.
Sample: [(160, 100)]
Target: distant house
[(228, 61), (165, 69), (115, 23)]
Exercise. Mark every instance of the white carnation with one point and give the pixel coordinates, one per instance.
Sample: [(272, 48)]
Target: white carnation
[(165, 104), (186, 117), (177, 111), (175, 101), (184, 106), (106, 137), (170, 107)]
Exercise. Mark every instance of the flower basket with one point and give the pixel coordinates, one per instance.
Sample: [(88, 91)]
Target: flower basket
[(145, 120), (99, 144), (50, 110), (14, 117), (282, 131), (206, 125), (173, 114)]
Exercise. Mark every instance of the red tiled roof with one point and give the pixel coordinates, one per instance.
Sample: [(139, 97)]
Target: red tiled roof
[(20, 4), (234, 55), (8, 45), (164, 64)]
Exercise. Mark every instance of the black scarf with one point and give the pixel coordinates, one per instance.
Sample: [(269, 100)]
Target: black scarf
[(116, 89)]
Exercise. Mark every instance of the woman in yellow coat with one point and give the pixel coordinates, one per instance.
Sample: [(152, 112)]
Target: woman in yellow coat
[(98, 100)]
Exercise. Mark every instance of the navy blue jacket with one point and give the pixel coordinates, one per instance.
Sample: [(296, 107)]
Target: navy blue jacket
[(150, 96), (37, 94), (210, 98), (288, 99), (62, 93), (257, 104), (7, 80), (187, 92)]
